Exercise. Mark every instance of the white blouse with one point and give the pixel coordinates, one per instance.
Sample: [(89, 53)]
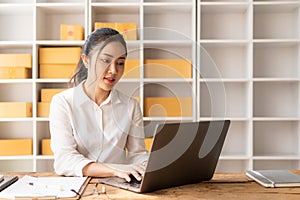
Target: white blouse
[(83, 132)]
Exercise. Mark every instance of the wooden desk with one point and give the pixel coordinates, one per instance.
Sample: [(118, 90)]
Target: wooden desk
[(222, 186)]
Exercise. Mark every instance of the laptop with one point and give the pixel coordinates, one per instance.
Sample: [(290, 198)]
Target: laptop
[(181, 153)]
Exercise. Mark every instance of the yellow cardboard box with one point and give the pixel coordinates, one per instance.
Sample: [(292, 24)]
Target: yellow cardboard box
[(105, 25), (15, 147), (59, 55), (71, 32), (163, 68), (46, 148), (16, 60), (132, 69), (14, 72), (15, 109), (48, 93), (168, 106), (127, 29), (56, 70), (43, 109)]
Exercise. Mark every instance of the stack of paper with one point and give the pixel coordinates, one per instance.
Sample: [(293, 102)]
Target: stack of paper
[(59, 187)]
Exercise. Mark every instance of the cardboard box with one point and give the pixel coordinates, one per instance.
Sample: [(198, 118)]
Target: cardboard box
[(16, 60), (15, 147), (43, 109), (46, 148), (132, 69), (56, 70), (159, 68), (59, 55), (105, 25), (14, 72), (71, 32), (127, 29), (148, 143), (15, 109), (168, 107), (48, 93)]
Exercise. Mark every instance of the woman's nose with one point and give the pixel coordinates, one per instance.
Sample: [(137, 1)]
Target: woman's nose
[(112, 68)]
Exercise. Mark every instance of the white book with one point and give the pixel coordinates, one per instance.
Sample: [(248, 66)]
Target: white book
[(274, 178)]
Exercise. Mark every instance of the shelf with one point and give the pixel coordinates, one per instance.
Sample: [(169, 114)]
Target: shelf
[(276, 138), (168, 29), (22, 129), (225, 21), (269, 97), (237, 139), (224, 100), (224, 61), (49, 17), (245, 68), (18, 22), (276, 21), (20, 164), (18, 95), (277, 60)]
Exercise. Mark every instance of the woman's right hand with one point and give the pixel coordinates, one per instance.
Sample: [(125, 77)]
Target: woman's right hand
[(124, 171)]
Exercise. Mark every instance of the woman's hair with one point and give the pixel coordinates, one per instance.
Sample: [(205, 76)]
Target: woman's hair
[(99, 37)]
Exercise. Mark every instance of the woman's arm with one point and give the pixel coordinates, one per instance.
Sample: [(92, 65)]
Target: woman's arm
[(135, 145), (119, 170), (68, 161)]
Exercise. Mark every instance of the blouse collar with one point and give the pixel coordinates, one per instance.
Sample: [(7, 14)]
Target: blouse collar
[(81, 97)]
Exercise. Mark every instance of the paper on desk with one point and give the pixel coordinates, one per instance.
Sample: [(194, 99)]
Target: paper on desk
[(29, 186)]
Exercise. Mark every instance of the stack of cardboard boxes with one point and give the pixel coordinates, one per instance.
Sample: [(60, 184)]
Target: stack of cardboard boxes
[(43, 111), (58, 62), (15, 66), (167, 106), (46, 96)]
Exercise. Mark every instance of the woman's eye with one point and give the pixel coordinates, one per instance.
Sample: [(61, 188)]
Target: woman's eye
[(121, 64), (107, 61)]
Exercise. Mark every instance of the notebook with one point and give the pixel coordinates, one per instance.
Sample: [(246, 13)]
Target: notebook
[(181, 153), (274, 178), (31, 187)]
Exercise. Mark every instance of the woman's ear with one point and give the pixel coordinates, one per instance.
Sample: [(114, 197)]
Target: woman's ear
[(84, 60)]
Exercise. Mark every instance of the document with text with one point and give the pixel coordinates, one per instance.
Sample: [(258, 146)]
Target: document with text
[(29, 186)]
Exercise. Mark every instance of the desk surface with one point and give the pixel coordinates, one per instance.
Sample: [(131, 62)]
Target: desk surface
[(222, 186)]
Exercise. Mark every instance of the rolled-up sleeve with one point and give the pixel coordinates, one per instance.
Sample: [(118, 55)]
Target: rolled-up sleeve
[(68, 161)]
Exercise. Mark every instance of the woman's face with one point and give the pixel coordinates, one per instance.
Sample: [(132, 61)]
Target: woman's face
[(107, 67)]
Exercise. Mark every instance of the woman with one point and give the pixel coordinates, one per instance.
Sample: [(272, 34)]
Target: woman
[(95, 129)]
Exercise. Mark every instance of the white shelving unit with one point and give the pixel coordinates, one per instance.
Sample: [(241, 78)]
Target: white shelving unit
[(253, 47), (245, 56), (33, 24)]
